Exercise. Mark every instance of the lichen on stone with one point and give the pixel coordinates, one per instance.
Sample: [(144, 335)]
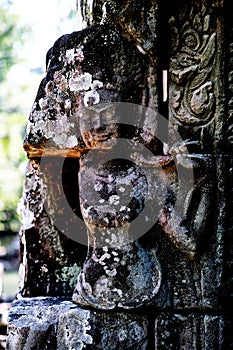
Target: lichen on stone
[(34, 195)]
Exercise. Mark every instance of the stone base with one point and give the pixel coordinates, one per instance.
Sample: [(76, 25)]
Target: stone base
[(58, 324), (54, 323)]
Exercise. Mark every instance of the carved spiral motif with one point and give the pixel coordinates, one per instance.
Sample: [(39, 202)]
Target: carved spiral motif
[(191, 39)]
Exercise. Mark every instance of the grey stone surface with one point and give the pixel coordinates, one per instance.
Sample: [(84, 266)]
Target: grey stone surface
[(182, 265), (55, 323)]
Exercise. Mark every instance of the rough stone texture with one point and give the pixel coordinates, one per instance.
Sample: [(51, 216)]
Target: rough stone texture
[(82, 70), (53, 323), (176, 279), (54, 128), (196, 111), (188, 331), (47, 256)]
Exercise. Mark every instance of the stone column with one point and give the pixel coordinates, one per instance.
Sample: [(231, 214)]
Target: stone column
[(125, 240)]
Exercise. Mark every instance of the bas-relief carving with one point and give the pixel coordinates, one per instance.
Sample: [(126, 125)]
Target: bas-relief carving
[(193, 111), (118, 272), (192, 82), (55, 122), (116, 266), (192, 104), (108, 281), (125, 275)]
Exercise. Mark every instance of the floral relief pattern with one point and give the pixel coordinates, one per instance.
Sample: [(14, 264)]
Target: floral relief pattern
[(192, 96)]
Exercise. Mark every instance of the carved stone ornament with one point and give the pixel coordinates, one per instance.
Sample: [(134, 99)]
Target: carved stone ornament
[(192, 86), (126, 235), (118, 272)]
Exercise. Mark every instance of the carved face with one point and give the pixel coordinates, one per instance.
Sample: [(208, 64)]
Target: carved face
[(98, 126)]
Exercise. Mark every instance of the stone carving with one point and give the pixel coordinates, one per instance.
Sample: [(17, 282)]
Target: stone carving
[(58, 126), (175, 272), (192, 105), (192, 88), (71, 80), (183, 229), (59, 122), (118, 272)]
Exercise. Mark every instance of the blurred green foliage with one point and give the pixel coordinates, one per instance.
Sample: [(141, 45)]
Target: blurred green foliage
[(12, 159), (12, 122), (10, 35)]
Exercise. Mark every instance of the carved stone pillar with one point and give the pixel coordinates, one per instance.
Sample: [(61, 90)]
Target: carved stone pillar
[(148, 194)]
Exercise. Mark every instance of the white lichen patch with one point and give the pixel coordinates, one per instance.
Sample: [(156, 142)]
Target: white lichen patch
[(60, 81), (106, 219), (67, 104), (103, 258), (85, 212), (71, 141), (118, 292), (114, 200), (74, 335), (52, 120), (74, 55), (109, 272), (123, 208), (59, 130), (50, 116), (121, 189), (80, 82), (44, 269), (96, 85), (91, 98), (34, 195), (98, 186)]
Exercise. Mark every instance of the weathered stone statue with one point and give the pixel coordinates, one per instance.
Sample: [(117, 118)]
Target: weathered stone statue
[(127, 276), (125, 240)]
